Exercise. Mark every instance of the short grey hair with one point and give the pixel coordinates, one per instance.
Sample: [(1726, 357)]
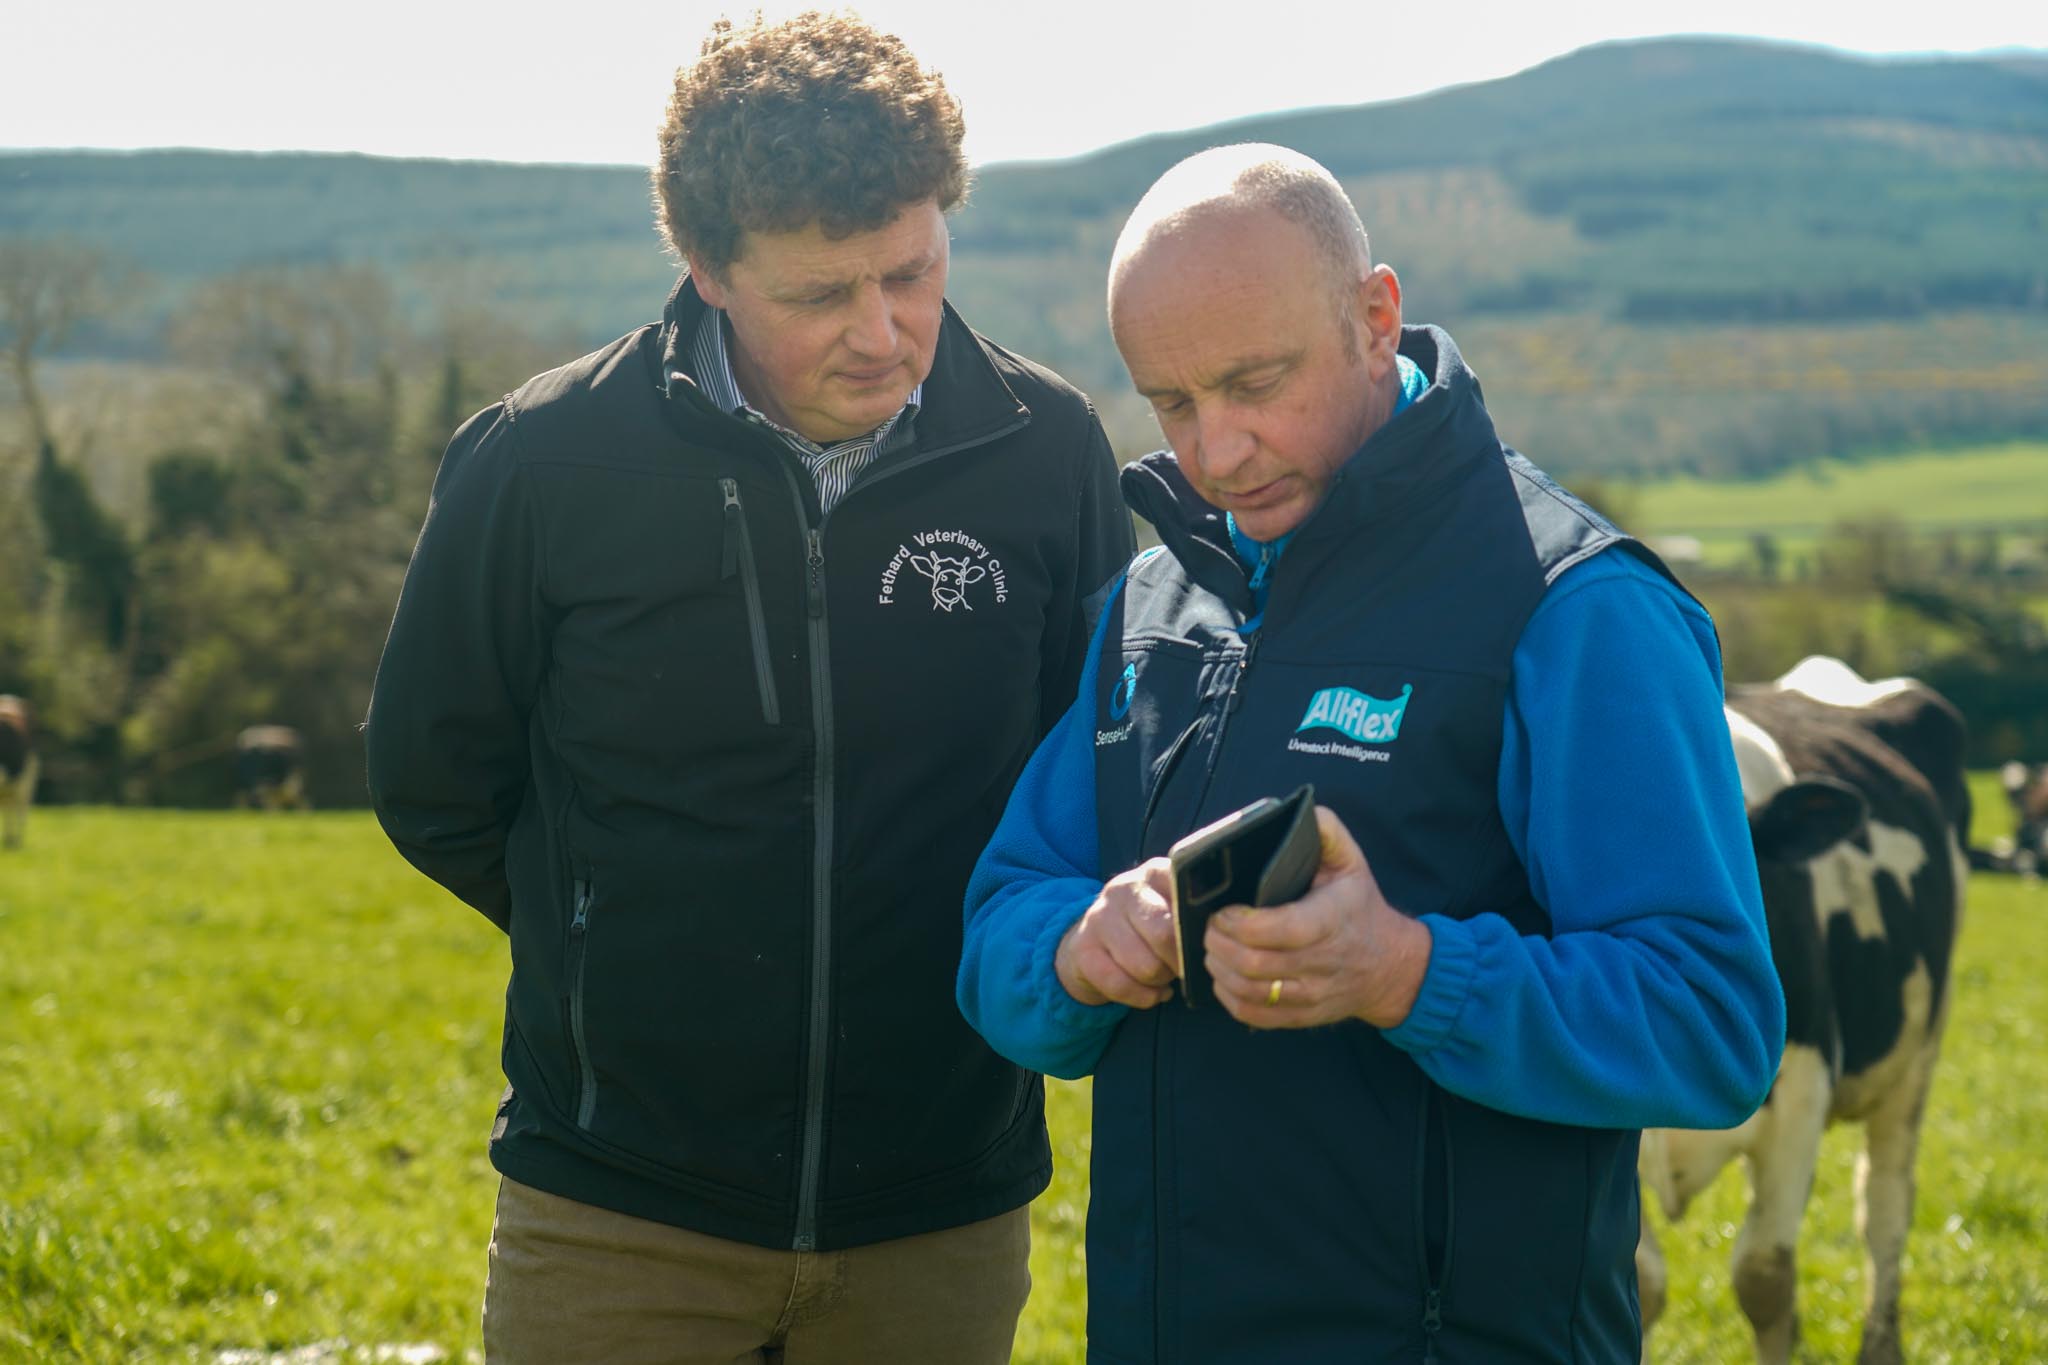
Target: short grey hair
[(1255, 176), (1303, 192)]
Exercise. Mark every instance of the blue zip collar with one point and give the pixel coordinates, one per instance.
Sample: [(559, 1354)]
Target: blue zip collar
[(1259, 556)]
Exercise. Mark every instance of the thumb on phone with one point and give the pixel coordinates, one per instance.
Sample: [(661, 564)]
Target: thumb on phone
[(1340, 854)]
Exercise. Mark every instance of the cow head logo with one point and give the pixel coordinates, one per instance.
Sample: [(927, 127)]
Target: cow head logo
[(960, 567), (950, 579)]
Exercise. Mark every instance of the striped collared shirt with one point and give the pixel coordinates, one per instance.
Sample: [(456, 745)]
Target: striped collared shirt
[(833, 467)]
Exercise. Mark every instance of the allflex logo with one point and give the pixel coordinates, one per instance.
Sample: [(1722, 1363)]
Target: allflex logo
[(1355, 715)]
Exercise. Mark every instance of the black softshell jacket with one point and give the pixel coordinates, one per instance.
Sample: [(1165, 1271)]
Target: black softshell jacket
[(721, 766)]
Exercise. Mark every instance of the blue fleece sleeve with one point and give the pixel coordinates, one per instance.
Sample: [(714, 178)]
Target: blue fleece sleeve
[(1035, 878), (1654, 1002)]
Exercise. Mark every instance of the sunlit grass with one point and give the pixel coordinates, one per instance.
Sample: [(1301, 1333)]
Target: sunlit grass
[(1987, 486), (247, 1067)]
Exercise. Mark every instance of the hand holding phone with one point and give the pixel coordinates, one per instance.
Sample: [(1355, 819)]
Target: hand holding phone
[(1263, 854)]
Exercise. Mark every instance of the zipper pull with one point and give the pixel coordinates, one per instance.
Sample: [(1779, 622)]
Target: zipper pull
[(729, 556), (1244, 665), (581, 920), (817, 574), (1258, 579)]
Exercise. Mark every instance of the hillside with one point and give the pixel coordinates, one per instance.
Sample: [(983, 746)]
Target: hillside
[(1604, 231), (1839, 186), (1687, 258)]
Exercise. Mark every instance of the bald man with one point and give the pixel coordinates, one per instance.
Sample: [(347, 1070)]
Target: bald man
[(1406, 1128)]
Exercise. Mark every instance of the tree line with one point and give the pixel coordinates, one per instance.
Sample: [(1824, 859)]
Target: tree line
[(254, 580), (280, 468)]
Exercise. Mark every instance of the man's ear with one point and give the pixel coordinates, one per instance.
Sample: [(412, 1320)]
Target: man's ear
[(1379, 314), (708, 287)]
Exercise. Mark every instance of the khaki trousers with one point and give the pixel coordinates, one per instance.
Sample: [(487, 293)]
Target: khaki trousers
[(572, 1283)]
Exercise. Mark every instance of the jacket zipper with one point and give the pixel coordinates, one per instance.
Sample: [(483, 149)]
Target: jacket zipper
[(1161, 1189), (1258, 578), (738, 553), (822, 777), (579, 946), (1178, 749), (1231, 701), (1435, 1278), (822, 774), (811, 1172), (1174, 753)]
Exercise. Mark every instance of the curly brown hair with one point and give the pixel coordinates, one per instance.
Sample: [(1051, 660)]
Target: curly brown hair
[(817, 119)]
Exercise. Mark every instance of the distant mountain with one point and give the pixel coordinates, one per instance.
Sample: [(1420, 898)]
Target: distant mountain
[(574, 243), (1691, 178), (1675, 183)]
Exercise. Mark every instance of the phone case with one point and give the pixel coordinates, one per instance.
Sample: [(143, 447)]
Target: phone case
[(1263, 854)]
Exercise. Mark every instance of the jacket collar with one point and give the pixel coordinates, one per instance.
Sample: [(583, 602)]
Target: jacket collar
[(1193, 531), (1423, 449), (1419, 451), (966, 400)]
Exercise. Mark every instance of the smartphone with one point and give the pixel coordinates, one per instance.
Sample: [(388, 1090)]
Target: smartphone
[(1265, 853)]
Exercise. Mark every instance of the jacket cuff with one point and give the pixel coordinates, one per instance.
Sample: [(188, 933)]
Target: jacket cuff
[(1453, 963)]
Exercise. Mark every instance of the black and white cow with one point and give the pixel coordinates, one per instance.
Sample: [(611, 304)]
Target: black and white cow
[(2026, 852), (1860, 816), (269, 768), (18, 768)]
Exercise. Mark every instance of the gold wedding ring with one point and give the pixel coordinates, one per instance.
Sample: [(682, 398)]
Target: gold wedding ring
[(1273, 992)]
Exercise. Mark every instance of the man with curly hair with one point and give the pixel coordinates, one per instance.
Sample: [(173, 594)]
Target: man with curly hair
[(718, 656)]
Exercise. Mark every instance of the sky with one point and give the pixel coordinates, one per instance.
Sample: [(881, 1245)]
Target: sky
[(523, 81)]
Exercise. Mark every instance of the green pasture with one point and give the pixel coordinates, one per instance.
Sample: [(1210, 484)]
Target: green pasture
[(247, 1066), (2002, 485)]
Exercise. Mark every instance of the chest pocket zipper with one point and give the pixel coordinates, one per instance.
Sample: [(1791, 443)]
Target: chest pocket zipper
[(737, 556), (579, 1043), (1209, 711)]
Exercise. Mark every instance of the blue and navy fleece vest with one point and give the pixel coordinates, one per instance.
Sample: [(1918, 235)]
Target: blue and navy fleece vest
[(1309, 1194)]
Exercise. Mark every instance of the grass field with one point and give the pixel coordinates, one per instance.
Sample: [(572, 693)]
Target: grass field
[(1989, 485), (1998, 487), (247, 1065)]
